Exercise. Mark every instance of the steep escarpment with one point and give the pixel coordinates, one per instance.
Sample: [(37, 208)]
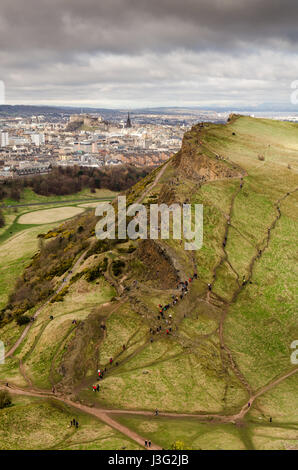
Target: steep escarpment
[(196, 163), (196, 160)]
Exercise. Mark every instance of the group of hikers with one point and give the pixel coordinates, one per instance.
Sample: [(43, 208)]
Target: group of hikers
[(183, 287), (74, 423), (101, 373)]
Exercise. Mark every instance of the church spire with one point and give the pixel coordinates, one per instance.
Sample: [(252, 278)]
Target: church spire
[(128, 122)]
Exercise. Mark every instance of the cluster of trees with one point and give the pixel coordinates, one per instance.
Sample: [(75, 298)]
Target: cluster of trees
[(11, 189), (117, 266), (70, 180)]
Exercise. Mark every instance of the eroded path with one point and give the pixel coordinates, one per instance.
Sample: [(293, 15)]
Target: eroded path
[(260, 249), (101, 414), (104, 414), (151, 186), (40, 309)]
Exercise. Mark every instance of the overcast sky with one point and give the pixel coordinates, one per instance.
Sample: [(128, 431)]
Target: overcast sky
[(136, 53)]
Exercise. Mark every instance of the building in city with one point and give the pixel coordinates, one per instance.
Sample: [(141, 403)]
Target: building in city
[(4, 139), (38, 139)]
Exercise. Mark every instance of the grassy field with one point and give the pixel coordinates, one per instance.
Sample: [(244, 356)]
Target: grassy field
[(30, 200), (47, 422), (30, 197), (49, 215), (255, 433), (194, 435), (15, 254)]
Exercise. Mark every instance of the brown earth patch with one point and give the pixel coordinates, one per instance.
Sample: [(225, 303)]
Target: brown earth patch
[(159, 266)]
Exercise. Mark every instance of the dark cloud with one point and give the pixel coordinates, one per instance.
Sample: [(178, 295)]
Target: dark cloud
[(124, 44), (134, 25)]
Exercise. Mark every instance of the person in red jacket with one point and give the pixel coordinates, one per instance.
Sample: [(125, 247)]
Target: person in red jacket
[(111, 361)]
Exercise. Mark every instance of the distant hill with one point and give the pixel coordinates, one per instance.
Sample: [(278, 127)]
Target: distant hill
[(27, 110), (24, 110)]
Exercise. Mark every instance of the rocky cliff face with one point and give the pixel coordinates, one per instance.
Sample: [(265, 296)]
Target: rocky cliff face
[(197, 161)]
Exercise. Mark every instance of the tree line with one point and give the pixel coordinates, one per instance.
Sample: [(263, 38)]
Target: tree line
[(64, 181)]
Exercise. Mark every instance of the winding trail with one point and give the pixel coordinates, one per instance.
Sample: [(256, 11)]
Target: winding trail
[(158, 177), (42, 307), (225, 259), (103, 413), (264, 244), (244, 410), (99, 413)]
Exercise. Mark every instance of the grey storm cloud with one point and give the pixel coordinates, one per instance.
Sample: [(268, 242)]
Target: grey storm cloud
[(134, 25), (143, 51)]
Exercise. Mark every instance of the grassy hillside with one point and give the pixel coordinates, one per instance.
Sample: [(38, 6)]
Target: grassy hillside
[(19, 237), (226, 360)]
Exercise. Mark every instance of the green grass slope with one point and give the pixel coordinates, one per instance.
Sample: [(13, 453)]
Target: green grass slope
[(228, 347)]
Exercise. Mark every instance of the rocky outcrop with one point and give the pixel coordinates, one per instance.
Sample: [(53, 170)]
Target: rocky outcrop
[(194, 161)]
